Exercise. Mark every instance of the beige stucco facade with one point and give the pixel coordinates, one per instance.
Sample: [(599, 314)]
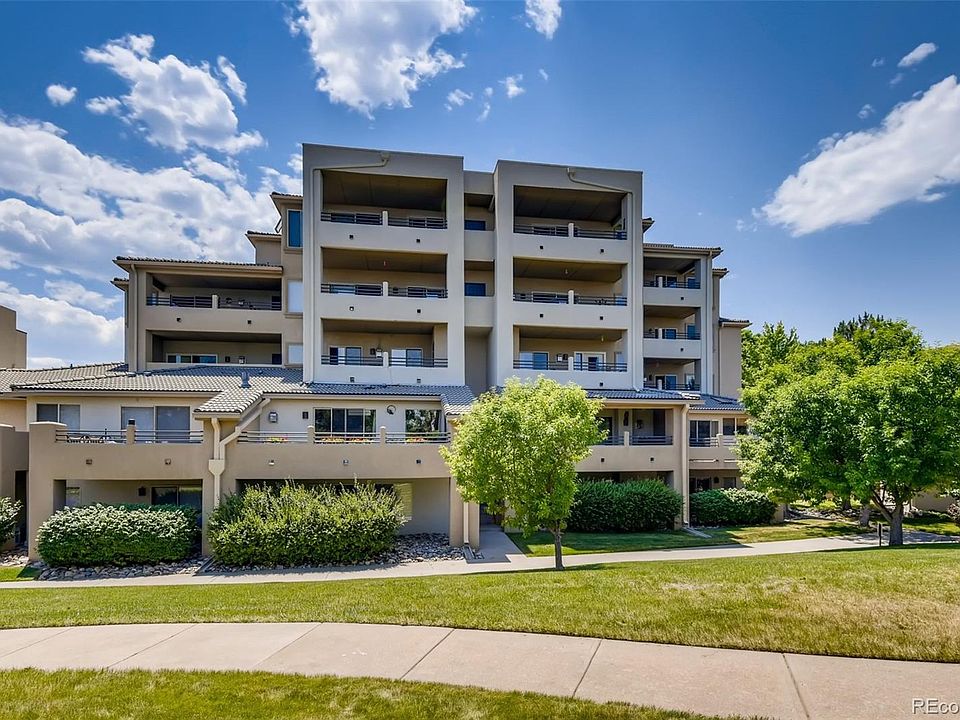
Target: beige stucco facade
[(13, 342), (396, 288)]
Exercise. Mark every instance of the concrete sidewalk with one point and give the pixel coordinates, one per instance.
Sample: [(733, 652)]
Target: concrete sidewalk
[(695, 679), (499, 555)]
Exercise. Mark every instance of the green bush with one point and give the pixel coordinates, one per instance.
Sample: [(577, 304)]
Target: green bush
[(634, 506), (712, 508), (118, 535), (297, 525), (9, 509)]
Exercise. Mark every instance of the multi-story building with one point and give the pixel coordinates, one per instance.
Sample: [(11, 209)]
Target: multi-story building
[(395, 289)]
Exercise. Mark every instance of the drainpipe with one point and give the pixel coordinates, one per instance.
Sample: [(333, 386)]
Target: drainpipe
[(218, 462)]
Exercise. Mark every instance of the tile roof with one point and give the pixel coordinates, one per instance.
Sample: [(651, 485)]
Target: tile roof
[(645, 394), (10, 377), (718, 402), (225, 385), (128, 258)]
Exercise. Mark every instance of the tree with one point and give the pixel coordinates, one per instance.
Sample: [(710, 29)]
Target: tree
[(763, 350), (518, 449)]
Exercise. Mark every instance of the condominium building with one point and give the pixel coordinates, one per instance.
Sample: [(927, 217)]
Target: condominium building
[(394, 290)]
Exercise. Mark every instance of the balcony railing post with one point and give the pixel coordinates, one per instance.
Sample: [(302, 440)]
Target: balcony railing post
[(626, 438), (570, 363), (570, 297), (214, 301), (386, 288), (131, 433), (384, 217), (382, 438), (311, 434)]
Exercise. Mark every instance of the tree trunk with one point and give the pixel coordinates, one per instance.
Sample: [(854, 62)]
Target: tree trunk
[(896, 524), (557, 548), (865, 513), (846, 505)]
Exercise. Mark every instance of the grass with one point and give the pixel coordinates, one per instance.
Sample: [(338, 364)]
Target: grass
[(541, 544), (886, 603), (9, 574), (78, 695), (940, 524)]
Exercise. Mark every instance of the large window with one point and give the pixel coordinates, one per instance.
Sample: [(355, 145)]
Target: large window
[(295, 296), (345, 420), (294, 229), (422, 421), (191, 359), (475, 289), (69, 415), (702, 430), (183, 495), (469, 224)]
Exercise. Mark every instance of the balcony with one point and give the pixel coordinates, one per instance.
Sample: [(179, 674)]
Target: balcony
[(671, 344), (570, 298), (312, 436), (356, 301), (715, 452), (129, 436), (627, 453), (654, 385)]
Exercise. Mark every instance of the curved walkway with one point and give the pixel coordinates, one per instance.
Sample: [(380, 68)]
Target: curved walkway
[(499, 555), (695, 679)]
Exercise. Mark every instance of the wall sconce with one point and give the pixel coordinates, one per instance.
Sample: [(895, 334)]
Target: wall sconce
[(391, 409), (141, 491), (167, 461), (271, 463), (272, 416), (89, 461), (346, 462), (305, 414)]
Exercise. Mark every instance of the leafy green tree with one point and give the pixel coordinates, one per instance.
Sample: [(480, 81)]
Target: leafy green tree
[(518, 449), (761, 351)]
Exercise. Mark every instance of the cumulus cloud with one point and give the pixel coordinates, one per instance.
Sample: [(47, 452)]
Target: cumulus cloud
[(60, 94), (370, 55), (236, 86), (457, 97), (916, 56), (896, 79), (202, 165), (866, 111), (486, 104), (878, 62), (544, 16), (913, 155), (511, 84), (74, 293), (175, 104)]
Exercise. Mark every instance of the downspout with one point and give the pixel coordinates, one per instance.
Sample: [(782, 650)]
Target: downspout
[(218, 462), (309, 314)]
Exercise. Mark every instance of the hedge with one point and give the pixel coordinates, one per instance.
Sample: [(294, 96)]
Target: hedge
[(634, 506), (297, 525), (96, 535), (9, 509), (713, 508)]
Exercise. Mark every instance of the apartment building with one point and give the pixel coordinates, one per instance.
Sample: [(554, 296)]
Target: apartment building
[(392, 291)]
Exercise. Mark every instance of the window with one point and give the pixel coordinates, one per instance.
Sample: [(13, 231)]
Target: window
[(173, 423), (182, 495), (295, 354), (276, 358), (295, 296), (702, 430), (475, 289), (729, 426), (191, 359), (691, 331), (72, 499), (411, 357), (294, 229), (163, 496), (422, 421), (668, 333), (344, 420), (469, 224), (69, 415), (142, 417)]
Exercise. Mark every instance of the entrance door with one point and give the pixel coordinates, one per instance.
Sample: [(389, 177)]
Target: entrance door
[(660, 423)]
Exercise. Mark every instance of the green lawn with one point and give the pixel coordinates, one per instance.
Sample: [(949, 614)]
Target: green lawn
[(79, 695), (941, 525), (541, 543), (886, 603), (8, 574)]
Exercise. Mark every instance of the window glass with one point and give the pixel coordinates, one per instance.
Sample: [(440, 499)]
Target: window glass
[(47, 413), (422, 421), (72, 497), (469, 224), (354, 420), (729, 426), (143, 417), (294, 229), (70, 416), (369, 421), (404, 491), (191, 496), (669, 333), (173, 423), (475, 289), (295, 354), (295, 296), (323, 420), (163, 496)]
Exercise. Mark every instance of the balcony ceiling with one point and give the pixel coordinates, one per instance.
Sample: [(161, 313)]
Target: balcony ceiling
[(243, 338), (541, 202), (478, 200), (376, 327), (668, 264), (383, 191), (337, 259), (569, 333), (652, 312), (169, 282), (554, 270)]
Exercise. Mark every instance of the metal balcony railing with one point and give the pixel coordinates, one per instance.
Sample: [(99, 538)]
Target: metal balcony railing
[(678, 335), (368, 360), (651, 439), (183, 301), (338, 438), (554, 230), (620, 300), (594, 366), (244, 304), (418, 437), (430, 223), (418, 362), (119, 437), (541, 297), (528, 364), (418, 292), (612, 439), (351, 289), (653, 385), (600, 234), (717, 441), (690, 284), (352, 218)]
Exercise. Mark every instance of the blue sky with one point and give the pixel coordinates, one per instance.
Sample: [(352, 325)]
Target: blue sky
[(818, 144)]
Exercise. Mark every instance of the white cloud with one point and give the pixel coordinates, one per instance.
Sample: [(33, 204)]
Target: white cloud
[(511, 84), (544, 15), (916, 56), (372, 54), (177, 105), (544, 75), (457, 97), (485, 111), (878, 62), (895, 80), (202, 165), (60, 94), (866, 111), (74, 293), (95, 336), (913, 155), (236, 86), (104, 106), (45, 361)]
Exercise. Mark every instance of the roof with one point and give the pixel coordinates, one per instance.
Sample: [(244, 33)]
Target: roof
[(718, 402), (207, 263), (645, 394), (733, 322), (702, 250), (10, 377), (229, 394)]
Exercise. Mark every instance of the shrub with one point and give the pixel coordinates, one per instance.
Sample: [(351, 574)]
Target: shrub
[(623, 507), (118, 535), (297, 525), (953, 510), (9, 509), (731, 507)]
